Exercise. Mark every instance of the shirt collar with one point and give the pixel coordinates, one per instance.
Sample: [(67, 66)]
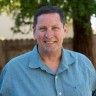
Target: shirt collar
[(35, 60), (66, 61), (68, 57)]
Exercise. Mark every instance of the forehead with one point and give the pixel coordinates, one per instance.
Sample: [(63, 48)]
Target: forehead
[(49, 18)]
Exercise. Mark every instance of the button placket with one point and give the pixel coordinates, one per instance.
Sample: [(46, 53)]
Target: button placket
[(56, 77), (57, 85), (60, 93)]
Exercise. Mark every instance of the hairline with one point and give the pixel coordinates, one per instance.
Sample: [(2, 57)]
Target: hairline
[(49, 11)]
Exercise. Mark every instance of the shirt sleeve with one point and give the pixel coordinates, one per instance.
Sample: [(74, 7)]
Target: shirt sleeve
[(93, 78), (5, 84), (1, 80), (91, 72)]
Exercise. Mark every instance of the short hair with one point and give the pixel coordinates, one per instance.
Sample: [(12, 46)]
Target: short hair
[(46, 10)]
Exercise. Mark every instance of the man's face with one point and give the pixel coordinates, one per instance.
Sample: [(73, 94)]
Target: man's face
[(49, 32)]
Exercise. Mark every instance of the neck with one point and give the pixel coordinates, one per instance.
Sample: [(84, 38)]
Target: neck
[(52, 56), (51, 59)]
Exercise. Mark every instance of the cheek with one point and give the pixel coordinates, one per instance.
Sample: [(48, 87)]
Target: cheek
[(60, 35), (36, 34), (38, 37)]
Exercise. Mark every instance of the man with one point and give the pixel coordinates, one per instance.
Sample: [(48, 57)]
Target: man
[(48, 70)]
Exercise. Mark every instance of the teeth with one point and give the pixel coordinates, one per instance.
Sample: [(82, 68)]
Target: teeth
[(50, 42)]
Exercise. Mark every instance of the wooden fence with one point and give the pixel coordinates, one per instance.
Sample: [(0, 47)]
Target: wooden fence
[(12, 48)]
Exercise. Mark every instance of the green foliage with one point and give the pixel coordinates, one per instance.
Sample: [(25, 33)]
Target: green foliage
[(9, 5), (82, 7), (23, 10)]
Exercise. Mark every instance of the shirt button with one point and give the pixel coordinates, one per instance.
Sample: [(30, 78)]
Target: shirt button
[(60, 93), (56, 77)]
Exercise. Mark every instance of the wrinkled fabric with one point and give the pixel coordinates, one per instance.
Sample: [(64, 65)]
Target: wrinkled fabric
[(27, 75)]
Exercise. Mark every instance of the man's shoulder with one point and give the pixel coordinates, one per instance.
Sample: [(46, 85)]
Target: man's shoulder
[(23, 57), (20, 60), (80, 59), (76, 55)]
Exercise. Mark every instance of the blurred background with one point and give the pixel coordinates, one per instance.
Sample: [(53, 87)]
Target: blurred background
[(16, 36)]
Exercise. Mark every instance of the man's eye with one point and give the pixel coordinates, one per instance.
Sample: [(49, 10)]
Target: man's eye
[(42, 29), (55, 28)]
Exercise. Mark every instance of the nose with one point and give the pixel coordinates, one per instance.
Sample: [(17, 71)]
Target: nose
[(49, 33)]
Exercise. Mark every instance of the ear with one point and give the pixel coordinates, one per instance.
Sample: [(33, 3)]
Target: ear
[(34, 33), (65, 28)]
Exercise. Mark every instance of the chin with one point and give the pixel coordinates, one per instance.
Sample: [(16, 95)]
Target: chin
[(51, 50)]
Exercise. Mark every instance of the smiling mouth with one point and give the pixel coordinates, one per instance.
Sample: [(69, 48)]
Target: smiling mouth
[(49, 42)]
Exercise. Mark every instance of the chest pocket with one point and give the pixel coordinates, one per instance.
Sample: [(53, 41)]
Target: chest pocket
[(77, 90), (83, 90)]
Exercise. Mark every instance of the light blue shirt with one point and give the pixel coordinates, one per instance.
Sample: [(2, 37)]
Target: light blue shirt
[(27, 75)]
